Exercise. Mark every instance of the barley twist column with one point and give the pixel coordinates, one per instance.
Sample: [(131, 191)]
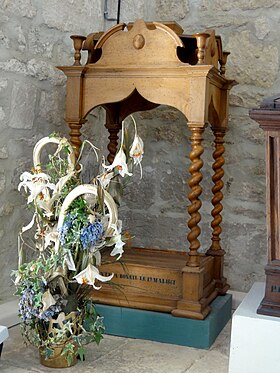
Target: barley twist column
[(215, 249), (217, 188), (196, 190), (75, 134), (113, 129)]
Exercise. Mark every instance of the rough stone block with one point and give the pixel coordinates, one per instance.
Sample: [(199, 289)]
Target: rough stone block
[(130, 10), (13, 65), (228, 5), (168, 10), (69, 17), (245, 97), (2, 114), (22, 8), (262, 26), (3, 152), (248, 53), (23, 102), (6, 209), (20, 38), (2, 182), (140, 194), (50, 105), (3, 84), (40, 43), (4, 40)]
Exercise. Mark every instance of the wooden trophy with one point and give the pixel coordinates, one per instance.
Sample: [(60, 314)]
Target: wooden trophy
[(268, 116)]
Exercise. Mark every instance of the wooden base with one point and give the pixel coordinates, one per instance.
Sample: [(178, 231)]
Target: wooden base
[(159, 280), (144, 324), (270, 305)]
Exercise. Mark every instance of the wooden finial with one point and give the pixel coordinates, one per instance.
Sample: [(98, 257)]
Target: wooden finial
[(223, 62), (201, 44), (78, 43)]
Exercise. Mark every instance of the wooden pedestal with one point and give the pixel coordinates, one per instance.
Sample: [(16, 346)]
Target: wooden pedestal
[(159, 280), (270, 305), (269, 118)]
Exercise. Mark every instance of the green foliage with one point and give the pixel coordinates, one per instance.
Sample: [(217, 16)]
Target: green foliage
[(48, 352), (81, 353), (69, 351)]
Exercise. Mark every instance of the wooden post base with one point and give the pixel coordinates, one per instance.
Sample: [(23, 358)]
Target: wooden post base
[(270, 305), (159, 280), (221, 282), (198, 290)]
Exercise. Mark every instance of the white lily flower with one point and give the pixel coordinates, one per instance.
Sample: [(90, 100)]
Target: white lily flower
[(120, 163), (39, 234), (137, 148), (105, 178), (117, 227), (118, 249), (30, 225), (51, 235), (117, 240), (46, 204), (119, 160), (89, 275), (17, 280), (37, 184)]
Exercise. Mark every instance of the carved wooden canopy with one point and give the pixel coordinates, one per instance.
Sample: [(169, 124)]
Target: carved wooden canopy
[(141, 65)]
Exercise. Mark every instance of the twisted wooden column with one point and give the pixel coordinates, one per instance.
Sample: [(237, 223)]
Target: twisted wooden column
[(75, 134), (217, 188), (215, 249), (196, 190), (113, 129)]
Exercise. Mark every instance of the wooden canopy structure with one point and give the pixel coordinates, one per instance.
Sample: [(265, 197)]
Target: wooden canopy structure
[(137, 67)]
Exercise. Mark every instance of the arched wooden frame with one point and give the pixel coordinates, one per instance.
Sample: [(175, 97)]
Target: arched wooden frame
[(137, 67)]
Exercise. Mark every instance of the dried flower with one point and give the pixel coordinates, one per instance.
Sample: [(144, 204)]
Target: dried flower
[(37, 184), (119, 163), (117, 240), (89, 275), (137, 148)]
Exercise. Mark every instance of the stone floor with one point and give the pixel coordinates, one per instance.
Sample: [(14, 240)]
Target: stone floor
[(123, 355)]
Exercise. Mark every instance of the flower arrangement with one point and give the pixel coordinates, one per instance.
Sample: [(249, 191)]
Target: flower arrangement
[(73, 223)]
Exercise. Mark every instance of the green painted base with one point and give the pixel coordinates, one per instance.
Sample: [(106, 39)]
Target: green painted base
[(163, 327)]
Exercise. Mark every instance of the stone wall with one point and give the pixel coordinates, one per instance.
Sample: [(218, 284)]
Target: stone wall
[(34, 38)]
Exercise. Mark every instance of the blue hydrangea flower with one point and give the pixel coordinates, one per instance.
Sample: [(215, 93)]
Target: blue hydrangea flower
[(91, 234)]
